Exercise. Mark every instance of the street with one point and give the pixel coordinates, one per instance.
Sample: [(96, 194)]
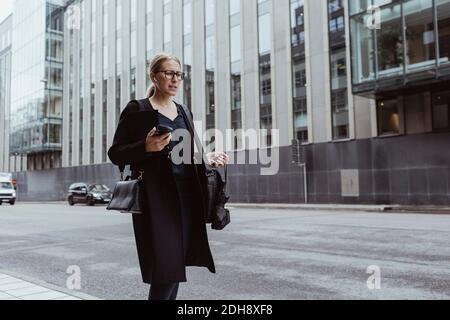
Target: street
[(279, 254)]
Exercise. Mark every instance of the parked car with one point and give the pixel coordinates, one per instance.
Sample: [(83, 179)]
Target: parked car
[(90, 194), (7, 191)]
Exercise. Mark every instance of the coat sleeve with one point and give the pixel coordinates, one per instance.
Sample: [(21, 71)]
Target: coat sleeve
[(123, 152)]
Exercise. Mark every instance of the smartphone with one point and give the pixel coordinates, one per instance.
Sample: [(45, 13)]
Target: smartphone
[(162, 129)]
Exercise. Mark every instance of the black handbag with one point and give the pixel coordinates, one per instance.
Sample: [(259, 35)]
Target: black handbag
[(216, 214), (128, 195)]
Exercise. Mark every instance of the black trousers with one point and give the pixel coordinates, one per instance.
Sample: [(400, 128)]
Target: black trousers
[(164, 291), (169, 291)]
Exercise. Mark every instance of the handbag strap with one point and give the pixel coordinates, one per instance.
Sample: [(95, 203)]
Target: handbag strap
[(144, 104), (226, 174), (196, 138)]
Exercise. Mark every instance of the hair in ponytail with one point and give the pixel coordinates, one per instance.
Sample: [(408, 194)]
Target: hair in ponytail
[(151, 91), (156, 65)]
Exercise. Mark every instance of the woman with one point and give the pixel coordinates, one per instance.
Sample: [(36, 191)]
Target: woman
[(171, 234)]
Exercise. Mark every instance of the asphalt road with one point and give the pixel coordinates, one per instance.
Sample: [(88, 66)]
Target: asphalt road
[(263, 254)]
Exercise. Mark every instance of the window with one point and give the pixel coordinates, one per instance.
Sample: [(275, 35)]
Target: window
[(133, 34), (92, 124), (187, 52), (98, 188), (167, 36), (210, 59), (362, 49), (55, 133), (104, 118), (443, 16), (300, 78), (388, 117), (338, 71), (299, 81), (334, 5), (235, 55), (441, 111), (265, 79), (118, 96), (133, 83), (337, 24), (235, 7), (420, 35), (390, 41)]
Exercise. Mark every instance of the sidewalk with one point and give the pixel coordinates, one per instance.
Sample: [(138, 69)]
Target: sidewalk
[(18, 287)]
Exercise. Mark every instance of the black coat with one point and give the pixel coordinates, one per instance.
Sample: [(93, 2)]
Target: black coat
[(158, 231)]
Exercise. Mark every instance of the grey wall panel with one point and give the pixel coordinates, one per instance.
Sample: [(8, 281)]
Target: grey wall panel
[(399, 171)]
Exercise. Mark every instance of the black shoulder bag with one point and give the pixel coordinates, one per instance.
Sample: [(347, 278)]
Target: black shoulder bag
[(216, 214), (128, 195)]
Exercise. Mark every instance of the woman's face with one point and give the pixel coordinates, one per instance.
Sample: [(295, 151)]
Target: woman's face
[(168, 86)]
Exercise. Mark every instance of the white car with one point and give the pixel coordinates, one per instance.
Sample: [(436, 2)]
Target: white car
[(7, 191)]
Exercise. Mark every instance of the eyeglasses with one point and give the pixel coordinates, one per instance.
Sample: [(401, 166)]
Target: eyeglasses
[(171, 74)]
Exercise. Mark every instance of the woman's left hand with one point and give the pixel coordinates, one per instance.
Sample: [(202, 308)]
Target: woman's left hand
[(217, 159)]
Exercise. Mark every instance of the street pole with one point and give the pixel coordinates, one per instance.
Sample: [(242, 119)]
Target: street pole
[(299, 159), (305, 182)]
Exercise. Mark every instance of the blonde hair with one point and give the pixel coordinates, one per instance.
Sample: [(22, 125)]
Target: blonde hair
[(155, 67)]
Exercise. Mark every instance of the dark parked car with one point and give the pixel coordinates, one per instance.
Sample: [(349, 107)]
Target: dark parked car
[(88, 193)]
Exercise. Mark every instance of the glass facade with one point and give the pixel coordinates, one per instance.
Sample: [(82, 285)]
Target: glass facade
[(390, 51), (149, 38), (36, 82), (5, 92), (71, 91), (338, 69), (118, 60), (299, 81), (210, 60), (118, 97), (236, 68), (118, 34), (443, 33), (187, 53), (133, 48), (167, 12), (265, 78), (105, 78), (410, 44), (81, 84), (93, 78)]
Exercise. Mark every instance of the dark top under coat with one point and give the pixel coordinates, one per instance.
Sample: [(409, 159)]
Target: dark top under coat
[(180, 171)]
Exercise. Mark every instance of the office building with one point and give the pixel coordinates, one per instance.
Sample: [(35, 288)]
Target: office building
[(5, 91), (361, 86), (36, 84)]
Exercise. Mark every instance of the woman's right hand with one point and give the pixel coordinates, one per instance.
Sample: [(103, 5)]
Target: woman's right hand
[(156, 143)]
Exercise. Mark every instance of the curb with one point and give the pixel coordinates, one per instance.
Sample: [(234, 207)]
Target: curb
[(337, 207), (342, 207), (49, 286), (422, 209)]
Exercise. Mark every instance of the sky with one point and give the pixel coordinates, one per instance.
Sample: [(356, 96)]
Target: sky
[(5, 8)]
